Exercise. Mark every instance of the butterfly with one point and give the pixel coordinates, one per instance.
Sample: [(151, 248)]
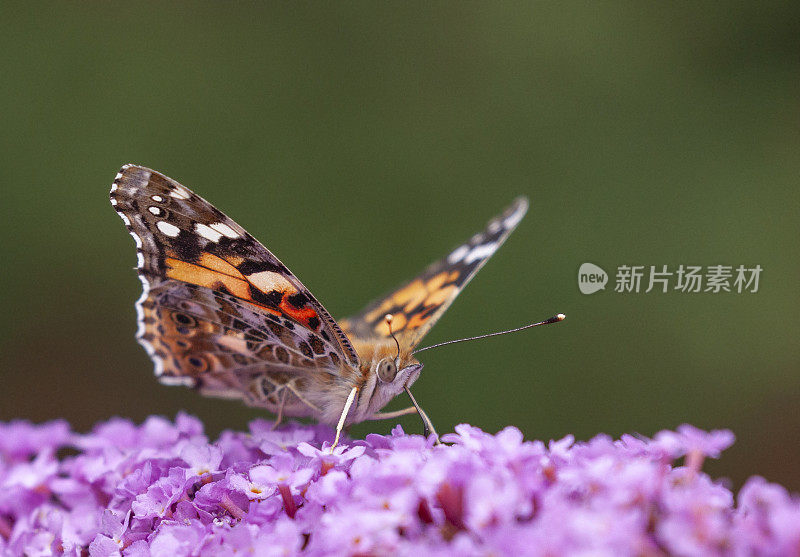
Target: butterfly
[(220, 313)]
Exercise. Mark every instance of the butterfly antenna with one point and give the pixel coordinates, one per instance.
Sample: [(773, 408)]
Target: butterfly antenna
[(388, 319), (554, 319)]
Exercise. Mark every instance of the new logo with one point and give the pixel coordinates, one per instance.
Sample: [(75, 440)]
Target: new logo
[(591, 278)]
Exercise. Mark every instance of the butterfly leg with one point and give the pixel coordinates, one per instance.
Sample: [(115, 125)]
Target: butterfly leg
[(279, 415), (426, 421), (348, 403), (394, 414)]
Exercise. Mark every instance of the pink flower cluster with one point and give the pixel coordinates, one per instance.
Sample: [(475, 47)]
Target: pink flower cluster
[(161, 488)]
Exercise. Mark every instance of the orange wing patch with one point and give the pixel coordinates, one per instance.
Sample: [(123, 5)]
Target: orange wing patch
[(414, 304), (215, 273), (207, 277), (408, 297), (216, 263)]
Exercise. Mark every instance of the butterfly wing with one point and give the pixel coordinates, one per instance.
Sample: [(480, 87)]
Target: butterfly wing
[(219, 311), (418, 304)]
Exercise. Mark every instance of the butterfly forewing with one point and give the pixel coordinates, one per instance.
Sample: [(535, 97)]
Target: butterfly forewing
[(419, 303)]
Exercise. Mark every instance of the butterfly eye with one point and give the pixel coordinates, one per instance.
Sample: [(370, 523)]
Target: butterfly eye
[(387, 369)]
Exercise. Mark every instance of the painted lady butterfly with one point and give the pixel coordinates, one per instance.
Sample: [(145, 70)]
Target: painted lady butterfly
[(221, 314)]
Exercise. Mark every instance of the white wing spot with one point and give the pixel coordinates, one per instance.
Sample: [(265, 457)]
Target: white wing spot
[(114, 186), (125, 219), (225, 230), (139, 260), (157, 198), (172, 380), (267, 281), (513, 219), (114, 201), (480, 252), (494, 227), (168, 229), (179, 193), (207, 232), (118, 176), (155, 210), (457, 255)]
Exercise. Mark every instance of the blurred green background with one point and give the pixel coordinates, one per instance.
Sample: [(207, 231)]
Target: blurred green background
[(361, 142)]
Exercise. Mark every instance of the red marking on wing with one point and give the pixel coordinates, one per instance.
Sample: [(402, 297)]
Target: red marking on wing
[(302, 314)]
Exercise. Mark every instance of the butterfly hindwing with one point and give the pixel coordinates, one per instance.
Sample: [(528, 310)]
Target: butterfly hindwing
[(223, 347), (195, 331), (418, 304), (250, 315)]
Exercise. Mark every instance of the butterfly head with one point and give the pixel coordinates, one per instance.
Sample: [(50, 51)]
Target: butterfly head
[(394, 373), (387, 376)]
